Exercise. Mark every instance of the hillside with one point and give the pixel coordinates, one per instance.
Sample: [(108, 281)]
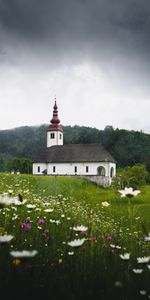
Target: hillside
[(127, 147)]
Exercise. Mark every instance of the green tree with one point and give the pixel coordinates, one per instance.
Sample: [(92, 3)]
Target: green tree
[(18, 164), (2, 164), (134, 176)]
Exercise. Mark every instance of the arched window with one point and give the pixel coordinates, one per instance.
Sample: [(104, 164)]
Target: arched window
[(111, 172), (101, 171)]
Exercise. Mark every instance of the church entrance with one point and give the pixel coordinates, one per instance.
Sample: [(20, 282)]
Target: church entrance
[(101, 171)]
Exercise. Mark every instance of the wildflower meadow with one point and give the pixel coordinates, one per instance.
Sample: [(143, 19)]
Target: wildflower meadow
[(69, 238)]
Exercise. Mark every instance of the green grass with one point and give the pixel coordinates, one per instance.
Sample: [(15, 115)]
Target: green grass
[(94, 270)]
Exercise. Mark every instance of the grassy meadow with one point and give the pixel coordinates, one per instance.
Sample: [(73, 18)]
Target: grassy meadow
[(81, 241)]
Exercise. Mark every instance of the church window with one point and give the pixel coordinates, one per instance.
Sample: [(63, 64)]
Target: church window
[(54, 169), (75, 169), (87, 169), (38, 169), (52, 135), (60, 136)]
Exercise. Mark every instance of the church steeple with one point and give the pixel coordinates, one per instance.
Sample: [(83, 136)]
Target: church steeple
[(55, 130)]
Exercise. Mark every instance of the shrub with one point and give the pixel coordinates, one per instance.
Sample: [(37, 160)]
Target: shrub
[(131, 177)]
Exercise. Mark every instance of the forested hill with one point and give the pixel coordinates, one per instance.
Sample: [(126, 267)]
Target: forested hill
[(127, 147)]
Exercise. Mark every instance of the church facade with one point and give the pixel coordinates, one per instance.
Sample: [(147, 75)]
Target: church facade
[(91, 161)]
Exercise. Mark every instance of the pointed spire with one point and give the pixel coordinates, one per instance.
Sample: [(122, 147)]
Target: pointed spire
[(55, 126), (55, 119)]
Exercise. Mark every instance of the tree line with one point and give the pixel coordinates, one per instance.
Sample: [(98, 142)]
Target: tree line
[(19, 146)]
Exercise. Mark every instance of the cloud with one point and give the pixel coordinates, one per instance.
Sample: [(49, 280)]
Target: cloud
[(90, 26), (80, 50)]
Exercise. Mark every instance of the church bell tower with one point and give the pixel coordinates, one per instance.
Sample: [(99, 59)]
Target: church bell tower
[(55, 130)]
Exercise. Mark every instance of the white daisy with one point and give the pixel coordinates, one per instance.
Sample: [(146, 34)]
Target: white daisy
[(143, 293), (105, 204), (80, 228), (138, 271), (128, 192), (71, 253), (31, 206), (125, 256), (148, 267), (147, 238), (6, 238), (118, 247), (23, 253), (112, 246), (76, 243), (144, 259), (48, 209)]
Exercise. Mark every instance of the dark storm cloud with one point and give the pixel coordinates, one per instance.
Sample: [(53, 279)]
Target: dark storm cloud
[(33, 18), (94, 27)]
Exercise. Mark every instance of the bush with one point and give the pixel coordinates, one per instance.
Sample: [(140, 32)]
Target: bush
[(135, 177)]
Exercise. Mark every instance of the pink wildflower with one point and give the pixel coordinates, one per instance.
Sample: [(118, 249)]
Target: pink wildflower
[(41, 221), (26, 227), (109, 238)]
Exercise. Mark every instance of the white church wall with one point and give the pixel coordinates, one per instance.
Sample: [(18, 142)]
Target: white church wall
[(38, 168), (69, 169), (86, 168), (80, 169)]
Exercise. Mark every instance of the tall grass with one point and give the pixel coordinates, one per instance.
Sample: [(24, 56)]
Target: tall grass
[(94, 270)]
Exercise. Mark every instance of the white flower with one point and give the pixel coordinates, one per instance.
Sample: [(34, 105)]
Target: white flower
[(118, 247), (39, 227), (23, 253), (10, 191), (31, 206), (112, 246), (147, 238), (52, 221), (128, 192), (71, 253), (76, 243), (105, 204), (143, 293), (7, 201), (80, 228), (48, 209), (144, 259), (125, 256), (138, 271), (15, 217), (6, 238), (57, 222), (115, 246), (148, 267), (16, 202)]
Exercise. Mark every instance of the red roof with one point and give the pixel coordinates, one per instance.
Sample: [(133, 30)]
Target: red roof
[(55, 126)]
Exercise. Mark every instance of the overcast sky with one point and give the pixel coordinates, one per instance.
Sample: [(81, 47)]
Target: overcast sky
[(93, 55)]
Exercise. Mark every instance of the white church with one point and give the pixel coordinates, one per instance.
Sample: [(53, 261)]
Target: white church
[(91, 161)]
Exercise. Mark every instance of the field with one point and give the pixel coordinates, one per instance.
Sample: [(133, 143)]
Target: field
[(81, 241)]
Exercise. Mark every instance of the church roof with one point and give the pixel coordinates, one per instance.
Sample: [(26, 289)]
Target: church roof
[(74, 153), (55, 122)]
